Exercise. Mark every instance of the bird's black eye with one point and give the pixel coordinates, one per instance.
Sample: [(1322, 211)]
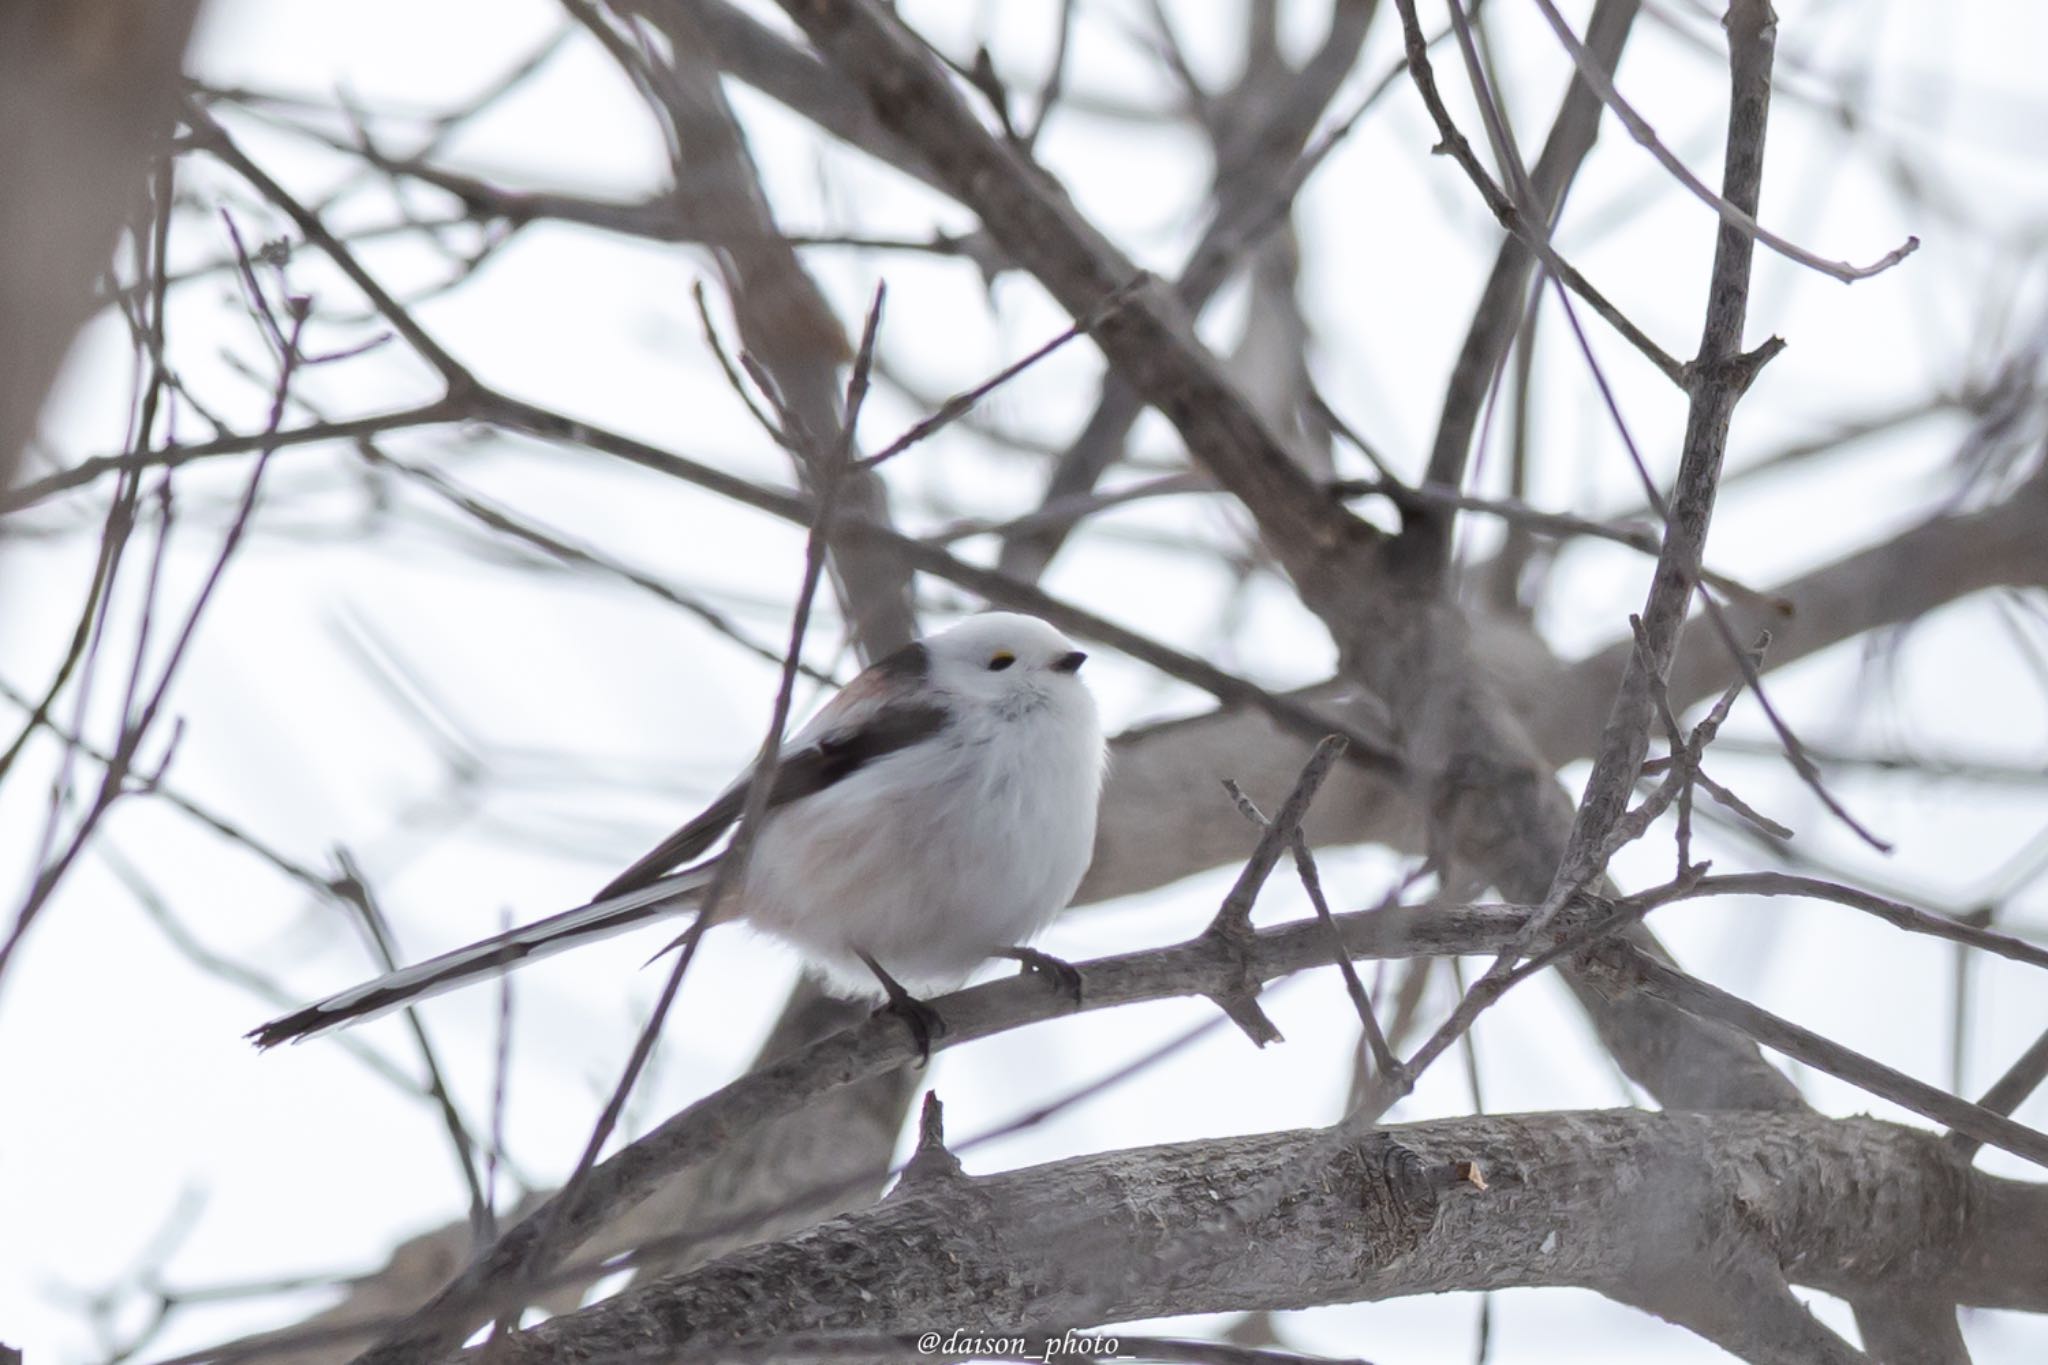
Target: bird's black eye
[(1001, 660)]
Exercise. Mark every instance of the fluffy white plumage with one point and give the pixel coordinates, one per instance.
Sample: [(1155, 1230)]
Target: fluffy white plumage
[(931, 857), (938, 810)]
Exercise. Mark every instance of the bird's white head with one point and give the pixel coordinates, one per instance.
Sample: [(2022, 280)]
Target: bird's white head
[(1014, 662)]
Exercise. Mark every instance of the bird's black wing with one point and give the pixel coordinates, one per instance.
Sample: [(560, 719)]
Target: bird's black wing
[(834, 755)]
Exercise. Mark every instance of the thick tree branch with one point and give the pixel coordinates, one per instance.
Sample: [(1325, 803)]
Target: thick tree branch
[(752, 53), (1150, 341), (784, 319), (88, 93), (1927, 566), (1204, 966), (1616, 1201)]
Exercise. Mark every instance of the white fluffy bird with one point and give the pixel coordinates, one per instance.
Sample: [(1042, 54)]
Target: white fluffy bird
[(938, 811)]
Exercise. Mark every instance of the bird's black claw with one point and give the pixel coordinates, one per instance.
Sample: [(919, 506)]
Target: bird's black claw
[(1064, 976), (921, 1019)]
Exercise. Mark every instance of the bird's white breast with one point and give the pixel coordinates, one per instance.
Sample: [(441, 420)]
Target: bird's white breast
[(933, 857)]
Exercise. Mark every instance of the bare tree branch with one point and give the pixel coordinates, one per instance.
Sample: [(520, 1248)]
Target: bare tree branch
[(1740, 216), (1203, 966), (88, 93), (1597, 1200), (1342, 568)]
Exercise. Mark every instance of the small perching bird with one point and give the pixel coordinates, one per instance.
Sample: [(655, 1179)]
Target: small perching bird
[(937, 812)]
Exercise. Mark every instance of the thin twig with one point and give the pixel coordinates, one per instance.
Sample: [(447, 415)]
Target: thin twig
[(354, 890), (1733, 213), (137, 724), (1232, 926), (1386, 1066), (1532, 234), (2007, 1093), (1561, 524), (1703, 1001), (960, 404)]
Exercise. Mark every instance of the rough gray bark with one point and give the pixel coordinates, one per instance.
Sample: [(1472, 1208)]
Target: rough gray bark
[(839, 1145), (1621, 1202), (1207, 966)]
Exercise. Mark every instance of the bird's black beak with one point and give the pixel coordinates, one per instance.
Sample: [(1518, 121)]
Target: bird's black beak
[(1069, 662)]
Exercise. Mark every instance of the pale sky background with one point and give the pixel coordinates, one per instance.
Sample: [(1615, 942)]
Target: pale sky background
[(605, 716)]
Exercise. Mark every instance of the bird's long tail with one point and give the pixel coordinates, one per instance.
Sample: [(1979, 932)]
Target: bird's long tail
[(488, 957)]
